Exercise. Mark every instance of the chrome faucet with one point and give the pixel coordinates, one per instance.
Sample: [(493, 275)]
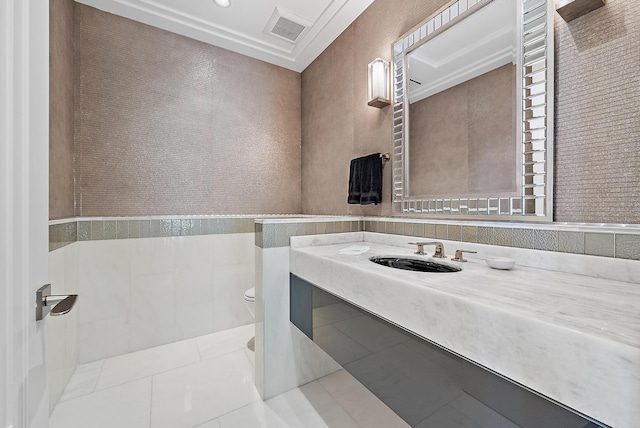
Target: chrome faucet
[(439, 253)]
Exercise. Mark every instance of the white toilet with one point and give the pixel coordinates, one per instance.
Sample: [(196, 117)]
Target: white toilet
[(250, 300)]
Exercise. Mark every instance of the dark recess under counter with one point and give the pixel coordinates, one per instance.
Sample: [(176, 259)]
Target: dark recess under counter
[(425, 385)]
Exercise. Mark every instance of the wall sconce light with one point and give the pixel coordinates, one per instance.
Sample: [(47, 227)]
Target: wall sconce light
[(572, 9), (379, 83)]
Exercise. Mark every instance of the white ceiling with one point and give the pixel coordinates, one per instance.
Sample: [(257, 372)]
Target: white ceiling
[(240, 27)]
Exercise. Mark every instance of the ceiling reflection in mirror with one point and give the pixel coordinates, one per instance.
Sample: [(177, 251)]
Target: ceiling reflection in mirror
[(481, 42), (462, 143)]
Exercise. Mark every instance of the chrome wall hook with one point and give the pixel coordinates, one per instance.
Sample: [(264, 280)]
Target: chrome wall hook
[(57, 305)]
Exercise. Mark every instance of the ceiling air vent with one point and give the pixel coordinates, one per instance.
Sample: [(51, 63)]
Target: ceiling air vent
[(287, 25), (287, 29)]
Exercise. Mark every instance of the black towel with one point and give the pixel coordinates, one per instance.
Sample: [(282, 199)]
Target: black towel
[(365, 180)]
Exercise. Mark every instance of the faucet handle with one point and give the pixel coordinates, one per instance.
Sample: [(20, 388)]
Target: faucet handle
[(439, 248), (420, 245), (459, 258)]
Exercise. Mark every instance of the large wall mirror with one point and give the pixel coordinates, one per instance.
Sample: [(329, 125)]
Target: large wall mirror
[(473, 112)]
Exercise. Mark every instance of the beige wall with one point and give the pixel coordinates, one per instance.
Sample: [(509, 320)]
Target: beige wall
[(337, 123), (149, 140), (598, 115), (61, 108), (169, 125), (597, 123), (462, 138)]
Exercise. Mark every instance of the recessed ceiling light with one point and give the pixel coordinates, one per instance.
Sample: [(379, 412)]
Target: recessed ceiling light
[(223, 3)]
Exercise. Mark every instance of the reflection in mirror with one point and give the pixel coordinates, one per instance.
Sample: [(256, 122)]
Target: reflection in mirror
[(462, 112), (472, 120)]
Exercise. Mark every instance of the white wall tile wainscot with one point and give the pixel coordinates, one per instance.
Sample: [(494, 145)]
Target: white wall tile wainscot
[(140, 293)]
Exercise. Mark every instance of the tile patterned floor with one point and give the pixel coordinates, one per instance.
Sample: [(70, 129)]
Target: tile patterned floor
[(207, 382)]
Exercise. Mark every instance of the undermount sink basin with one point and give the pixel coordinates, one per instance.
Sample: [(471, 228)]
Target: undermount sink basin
[(414, 264)]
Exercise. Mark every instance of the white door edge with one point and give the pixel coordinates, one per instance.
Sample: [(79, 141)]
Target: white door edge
[(24, 170)]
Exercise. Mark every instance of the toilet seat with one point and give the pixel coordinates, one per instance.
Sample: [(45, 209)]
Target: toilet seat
[(250, 295)]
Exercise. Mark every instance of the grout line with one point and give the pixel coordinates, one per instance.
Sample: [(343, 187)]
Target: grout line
[(98, 377), (228, 352), (194, 339), (105, 389), (151, 403), (94, 383), (234, 410), (152, 374), (445, 405), (128, 381), (335, 399), (198, 348)]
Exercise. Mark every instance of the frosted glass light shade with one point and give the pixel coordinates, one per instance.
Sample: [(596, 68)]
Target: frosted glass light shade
[(379, 83)]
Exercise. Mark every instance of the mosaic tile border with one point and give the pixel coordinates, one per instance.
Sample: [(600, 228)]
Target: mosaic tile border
[(271, 235), (62, 234), (277, 234), (604, 244), (66, 233)]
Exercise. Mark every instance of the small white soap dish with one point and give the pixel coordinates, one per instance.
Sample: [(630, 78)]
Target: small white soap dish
[(504, 263)]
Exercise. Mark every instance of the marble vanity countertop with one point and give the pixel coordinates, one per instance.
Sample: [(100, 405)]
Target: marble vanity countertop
[(572, 338)]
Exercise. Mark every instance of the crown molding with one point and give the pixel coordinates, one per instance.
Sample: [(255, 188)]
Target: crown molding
[(229, 29)]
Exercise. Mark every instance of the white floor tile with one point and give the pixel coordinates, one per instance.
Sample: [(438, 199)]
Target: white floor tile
[(214, 423), (127, 405), (447, 417), (254, 415), (364, 407), (454, 366), (333, 415), (225, 341), (415, 387), (371, 333), (341, 347), (333, 313), (192, 395), (83, 381), (180, 390), (140, 364), (309, 406), (482, 414)]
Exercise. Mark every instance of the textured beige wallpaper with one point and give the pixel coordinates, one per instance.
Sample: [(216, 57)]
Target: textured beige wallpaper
[(327, 123), (61, 109), (337, 123), (597, 131), (462, 138), (169, 125), (597, 176)]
